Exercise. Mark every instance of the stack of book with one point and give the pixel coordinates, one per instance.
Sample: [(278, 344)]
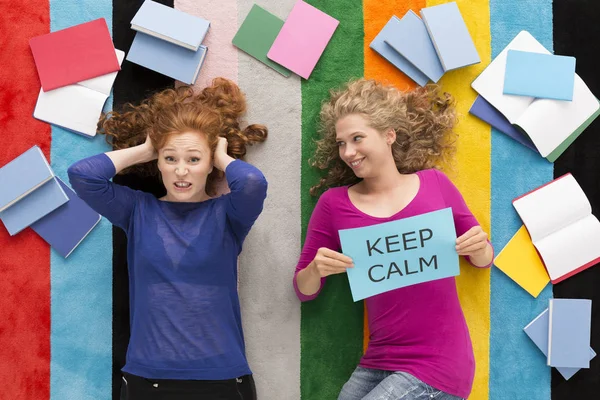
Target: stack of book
[(426, 47), (77, 67), (295, 44), (32, 196), (168, 41), (534, 97), (562, 333)]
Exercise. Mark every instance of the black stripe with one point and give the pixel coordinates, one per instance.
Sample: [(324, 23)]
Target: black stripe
[(575, 31), (133, 84)]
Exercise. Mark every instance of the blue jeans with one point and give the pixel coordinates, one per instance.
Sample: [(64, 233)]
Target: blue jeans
[(374, 384)]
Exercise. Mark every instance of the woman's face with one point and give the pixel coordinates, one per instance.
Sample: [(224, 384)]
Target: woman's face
[(184, 163), (364, 149)]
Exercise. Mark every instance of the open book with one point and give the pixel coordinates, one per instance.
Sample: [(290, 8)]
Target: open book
[(77, 107), (552, 125), (563, 229)]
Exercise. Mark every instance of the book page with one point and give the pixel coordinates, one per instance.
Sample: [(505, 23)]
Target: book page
[(553, 207), (490, 83), (550, 122), (571, 247)]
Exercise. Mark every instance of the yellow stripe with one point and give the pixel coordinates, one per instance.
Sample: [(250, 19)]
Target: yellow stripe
[(472, 175), (376, 14)]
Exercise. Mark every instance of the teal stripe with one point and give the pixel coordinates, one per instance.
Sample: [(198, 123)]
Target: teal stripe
[(331, 325), (81, 285), (517, 368)]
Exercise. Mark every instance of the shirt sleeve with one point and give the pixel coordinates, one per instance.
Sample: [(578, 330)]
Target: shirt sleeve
[(90, 179), (248, 188), (320, 233), (463, 217)]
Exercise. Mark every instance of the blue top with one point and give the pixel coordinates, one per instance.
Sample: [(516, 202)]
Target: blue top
[(182, 258)]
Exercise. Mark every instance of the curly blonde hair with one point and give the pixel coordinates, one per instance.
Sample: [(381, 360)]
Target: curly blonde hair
[(215, 112), (422, 119)]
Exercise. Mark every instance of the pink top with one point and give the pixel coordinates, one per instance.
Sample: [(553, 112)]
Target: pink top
[(418, 329)]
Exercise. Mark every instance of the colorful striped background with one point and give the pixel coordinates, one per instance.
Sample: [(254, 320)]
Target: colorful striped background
[(64, 323)]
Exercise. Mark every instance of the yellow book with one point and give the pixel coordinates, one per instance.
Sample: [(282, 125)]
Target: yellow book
[(521, 262)]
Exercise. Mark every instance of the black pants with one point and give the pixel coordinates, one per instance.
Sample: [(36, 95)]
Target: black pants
[(138, 388)]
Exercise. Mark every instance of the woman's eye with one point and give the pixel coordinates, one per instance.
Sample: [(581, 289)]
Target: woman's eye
[(357, 138), (339, 144), (194, 159), (169, 159)]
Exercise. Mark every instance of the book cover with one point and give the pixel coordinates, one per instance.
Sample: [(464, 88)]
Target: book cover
[(537, 330), (23, 175), (302, 39), (77, 107), (450, 36), (412, 41), (74, 54), (257, 34), (34, 206), (170, 24), (391, 29), (66, 227), (520, 261), (539, 75), (167, 58), (569, 330)]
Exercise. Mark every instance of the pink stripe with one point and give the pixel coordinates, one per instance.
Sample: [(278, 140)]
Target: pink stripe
[(222, 57)]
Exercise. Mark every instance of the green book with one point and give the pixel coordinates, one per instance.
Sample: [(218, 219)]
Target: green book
[(257, 34)]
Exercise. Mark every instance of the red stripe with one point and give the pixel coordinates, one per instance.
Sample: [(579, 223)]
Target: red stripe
[(24, 258)]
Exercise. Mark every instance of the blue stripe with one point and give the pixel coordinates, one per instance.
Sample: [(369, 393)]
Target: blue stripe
[(517, 368), (81, 291)]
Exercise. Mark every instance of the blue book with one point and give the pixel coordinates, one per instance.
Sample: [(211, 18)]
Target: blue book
[(569, 333), (34, 206), (378, 44), (67, 226), (400, 253), (22, 176), (450, 36), (412, 41), (537, 330), (487, 113), (167, 23), (539, 75), (167, 58)]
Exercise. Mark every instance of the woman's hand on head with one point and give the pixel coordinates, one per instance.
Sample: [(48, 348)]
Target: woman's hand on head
[(220, 158), (328, 262), (149, 148)]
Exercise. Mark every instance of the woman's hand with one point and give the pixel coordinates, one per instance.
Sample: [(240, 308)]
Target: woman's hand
[(149, 149), (328, 262), (220, 158), (474, 244)]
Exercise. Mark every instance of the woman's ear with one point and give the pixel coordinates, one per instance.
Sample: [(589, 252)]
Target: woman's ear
[(390, 136)]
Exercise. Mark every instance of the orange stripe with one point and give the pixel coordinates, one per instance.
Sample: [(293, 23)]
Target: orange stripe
[(25, 258), (376, 15)]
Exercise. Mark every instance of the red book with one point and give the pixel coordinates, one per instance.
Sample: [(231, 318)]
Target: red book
[(74, 54)]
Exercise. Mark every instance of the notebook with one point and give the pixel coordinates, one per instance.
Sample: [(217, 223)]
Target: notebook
[(520, 261), (539, 75), (77, 107), (537, 330), (257, 34), (302, 39), (450, 36), (169, 24), (552, 125), (167, 58), (23, 175), (487, 113), (412, 41), (392, 28), (569, 330), (74, 54), (34, 206), (559, 218), (66, 227)]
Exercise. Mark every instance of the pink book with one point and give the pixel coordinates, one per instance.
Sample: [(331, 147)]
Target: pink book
[(302, 39)]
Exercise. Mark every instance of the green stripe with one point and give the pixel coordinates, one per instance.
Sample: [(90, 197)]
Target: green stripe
[(332, 324)]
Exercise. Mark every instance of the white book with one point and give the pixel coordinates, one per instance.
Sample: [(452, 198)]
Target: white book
[(552, 125), (77, 107), (562, 227)]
